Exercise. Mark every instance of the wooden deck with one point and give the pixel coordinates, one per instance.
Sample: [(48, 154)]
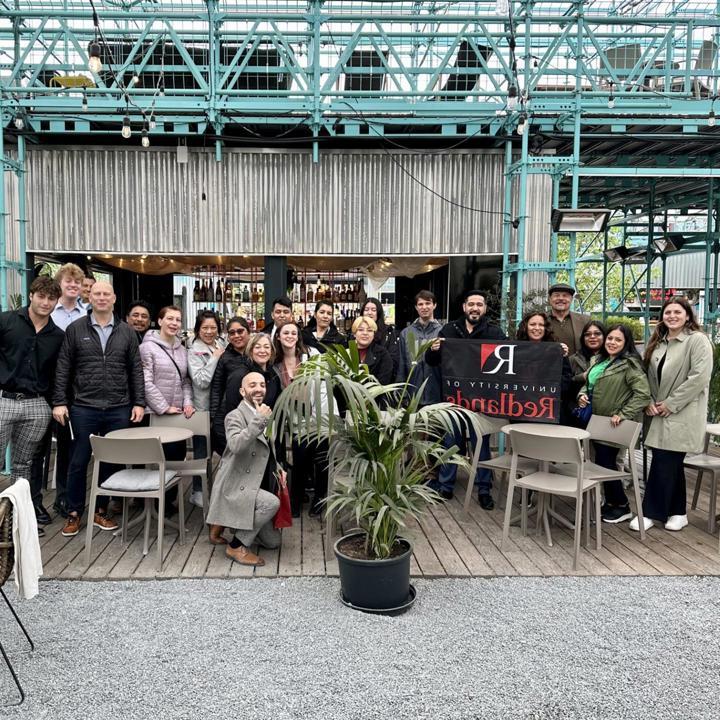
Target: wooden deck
[(447, 543)]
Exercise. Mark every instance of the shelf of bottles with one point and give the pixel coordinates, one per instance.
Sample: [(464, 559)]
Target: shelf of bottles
[(230, 293), (347, 292)]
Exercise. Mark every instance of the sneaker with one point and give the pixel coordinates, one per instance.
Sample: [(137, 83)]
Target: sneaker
[(42, 515), (196, 498), (614, 514), (102, 521), (72, 526), (676, 522), (635, 523)]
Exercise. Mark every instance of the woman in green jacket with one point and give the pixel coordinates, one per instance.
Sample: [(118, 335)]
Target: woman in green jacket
[(619, 389), (679, 359)]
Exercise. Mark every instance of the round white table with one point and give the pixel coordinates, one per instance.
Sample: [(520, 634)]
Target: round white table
[(164, 434), (548, 430), (713, 428)]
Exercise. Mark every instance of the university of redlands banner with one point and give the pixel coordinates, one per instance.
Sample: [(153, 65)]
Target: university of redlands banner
[(518, 380)]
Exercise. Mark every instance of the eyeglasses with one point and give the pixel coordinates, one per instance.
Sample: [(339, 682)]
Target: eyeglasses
[(239, 331), (593, 334)]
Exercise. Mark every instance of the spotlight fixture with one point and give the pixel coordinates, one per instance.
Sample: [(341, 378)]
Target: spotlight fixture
[(711, 119), (580, 219), (94, 62), (512, 98), (623, 253), (145, 140), (670, 242), (126, 131)]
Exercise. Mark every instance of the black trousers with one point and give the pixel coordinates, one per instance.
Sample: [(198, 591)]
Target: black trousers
[(606, 456), (665, 492)]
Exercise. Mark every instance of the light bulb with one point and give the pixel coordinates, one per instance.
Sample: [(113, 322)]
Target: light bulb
[(711, 119), (162, 90), (611, 102), (126, 129), (512, 99), (522, 124), (94, 63), (19, 122), (135, 79), (84, 103), (145, 141), (153, 123)]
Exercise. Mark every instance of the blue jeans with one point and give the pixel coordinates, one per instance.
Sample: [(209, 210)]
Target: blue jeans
[(448, 473), (88, 421)]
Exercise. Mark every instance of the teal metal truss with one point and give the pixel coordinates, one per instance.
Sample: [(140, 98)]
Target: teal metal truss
[(583, 91)]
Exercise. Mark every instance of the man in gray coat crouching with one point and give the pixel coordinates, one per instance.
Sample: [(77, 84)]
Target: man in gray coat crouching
[(240, 497)]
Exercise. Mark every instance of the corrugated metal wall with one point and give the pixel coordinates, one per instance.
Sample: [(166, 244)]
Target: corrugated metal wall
[(272, 203)]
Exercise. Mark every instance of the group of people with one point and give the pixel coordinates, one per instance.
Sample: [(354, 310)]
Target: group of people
[(76, 362)]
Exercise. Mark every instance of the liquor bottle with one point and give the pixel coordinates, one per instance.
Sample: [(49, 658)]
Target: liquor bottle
[(245, 294), (228, 290), (303, 291), (310, 297), (196, 291), (204, 291), (254, 294), (219, 290), (361, 294), (261, 294), (320, 291)]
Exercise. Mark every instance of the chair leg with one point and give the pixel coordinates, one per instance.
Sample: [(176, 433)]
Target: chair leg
[(161, 527), (598, 520), (206, 489), (89, 530), (148, 520), (508, 512), (696, 493), (713, 503), (638, 504), (578, 530), (17, 619), (523, 511), (587, 524), (14, 677), (123, 528), (181, 513)]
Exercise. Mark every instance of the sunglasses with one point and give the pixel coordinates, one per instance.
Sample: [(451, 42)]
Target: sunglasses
[(593, 334), (240, 331)]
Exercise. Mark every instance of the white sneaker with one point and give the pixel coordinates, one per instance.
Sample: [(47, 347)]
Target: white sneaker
[(635, 524), (676, 522), (196, 498)]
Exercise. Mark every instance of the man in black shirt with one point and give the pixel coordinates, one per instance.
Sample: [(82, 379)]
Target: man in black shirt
[(472, 325), (29, 347)]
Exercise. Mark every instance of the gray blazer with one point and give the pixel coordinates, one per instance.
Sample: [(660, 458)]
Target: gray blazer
[(684, 389), (241, 470)]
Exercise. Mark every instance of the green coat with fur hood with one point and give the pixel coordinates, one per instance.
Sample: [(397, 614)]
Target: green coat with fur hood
[(623, 389)]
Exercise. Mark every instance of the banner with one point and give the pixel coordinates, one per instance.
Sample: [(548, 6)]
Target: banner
[(518, 380)]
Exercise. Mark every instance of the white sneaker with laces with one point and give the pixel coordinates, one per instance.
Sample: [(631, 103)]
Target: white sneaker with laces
[(676, 522), (196, 498), (635, 524)]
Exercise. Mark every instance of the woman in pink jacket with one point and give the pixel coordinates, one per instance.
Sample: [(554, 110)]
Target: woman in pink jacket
[(168, 388)]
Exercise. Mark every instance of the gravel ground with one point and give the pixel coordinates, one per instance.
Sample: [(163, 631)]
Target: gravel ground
[(245, 649)]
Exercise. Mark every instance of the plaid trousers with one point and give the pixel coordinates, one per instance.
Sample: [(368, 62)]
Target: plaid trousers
[(22, 424)]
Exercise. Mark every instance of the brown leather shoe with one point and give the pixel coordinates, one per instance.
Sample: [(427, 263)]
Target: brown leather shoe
[(72, 526), (102, 521), (243, 556), (216, 535)]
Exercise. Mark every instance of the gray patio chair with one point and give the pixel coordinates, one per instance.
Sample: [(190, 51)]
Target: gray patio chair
[(134, 482), (546, 449), (199, 424), (703, 463)]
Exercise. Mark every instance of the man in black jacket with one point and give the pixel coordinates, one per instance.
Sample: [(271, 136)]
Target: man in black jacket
[(29, 346), (473, 325), (100, 379)]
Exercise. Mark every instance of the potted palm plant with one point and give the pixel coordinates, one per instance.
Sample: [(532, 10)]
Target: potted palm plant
[(382, 447)]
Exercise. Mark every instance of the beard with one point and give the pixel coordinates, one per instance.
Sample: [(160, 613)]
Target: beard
[(473, 320)]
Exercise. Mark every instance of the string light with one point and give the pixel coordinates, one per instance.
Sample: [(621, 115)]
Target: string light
[(126, 131), (145, 140), (611, 98), (84, 105), (135, 79), (711, 114), (153, 122), (522, 123), (19, 122), (512, 98), (94, 62)]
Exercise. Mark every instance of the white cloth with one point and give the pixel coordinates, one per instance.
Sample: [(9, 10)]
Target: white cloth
[(28, 560)]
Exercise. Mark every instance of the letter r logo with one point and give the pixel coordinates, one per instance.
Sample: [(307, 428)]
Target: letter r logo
[(494, 357)]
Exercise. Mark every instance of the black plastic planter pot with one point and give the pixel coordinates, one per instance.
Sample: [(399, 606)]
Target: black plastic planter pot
[(377, 586)]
